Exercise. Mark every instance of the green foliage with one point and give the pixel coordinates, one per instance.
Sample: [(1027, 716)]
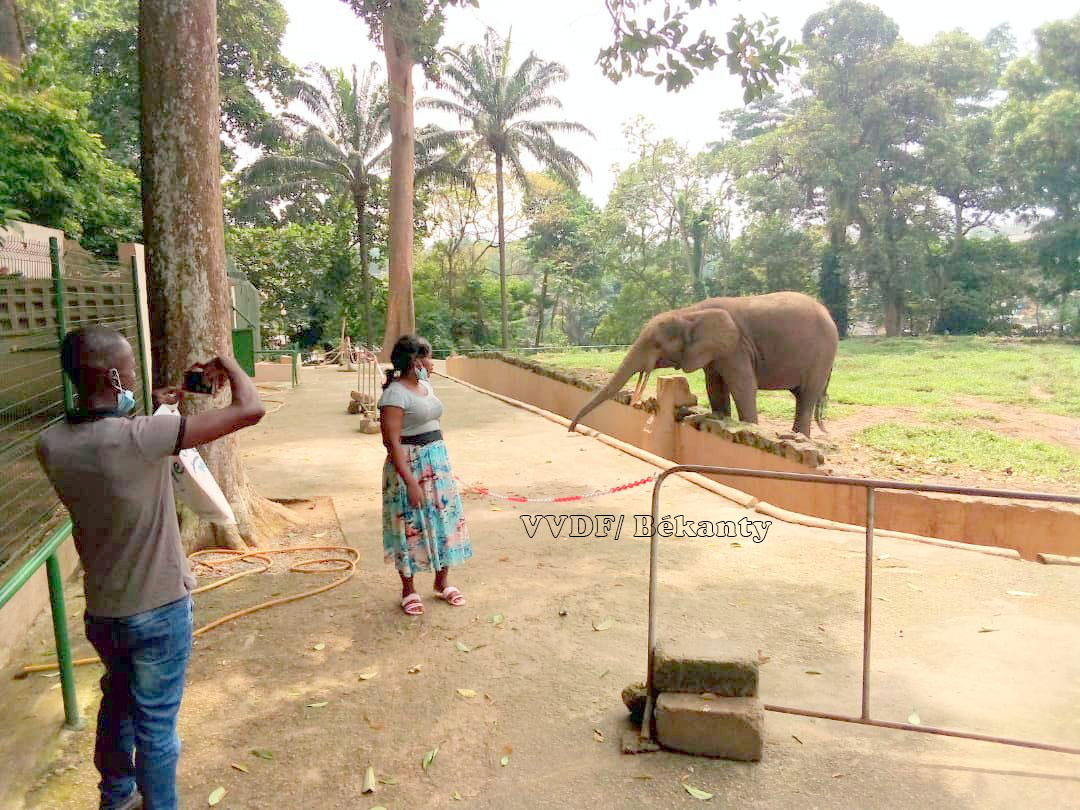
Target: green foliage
[(753, 51), (91, 45), (54, 171), (307, 276)]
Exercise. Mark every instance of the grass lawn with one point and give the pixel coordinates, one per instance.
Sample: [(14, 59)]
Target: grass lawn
[(927, 375)]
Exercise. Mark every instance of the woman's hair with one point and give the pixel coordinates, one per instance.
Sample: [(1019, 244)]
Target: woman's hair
[(402, 356), (425, 347)]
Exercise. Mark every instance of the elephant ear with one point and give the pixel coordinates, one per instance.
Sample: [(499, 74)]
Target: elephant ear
[(713, 334)]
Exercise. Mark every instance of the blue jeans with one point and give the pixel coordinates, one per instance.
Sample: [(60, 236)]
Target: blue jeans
[(145, 659)]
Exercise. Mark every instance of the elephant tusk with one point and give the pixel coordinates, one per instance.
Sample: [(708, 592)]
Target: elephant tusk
[(643, 380)]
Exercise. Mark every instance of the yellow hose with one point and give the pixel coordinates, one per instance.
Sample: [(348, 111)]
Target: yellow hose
[(261, 555)]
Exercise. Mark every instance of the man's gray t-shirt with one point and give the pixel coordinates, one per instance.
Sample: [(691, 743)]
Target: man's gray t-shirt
[(114, 476), (421, 413)]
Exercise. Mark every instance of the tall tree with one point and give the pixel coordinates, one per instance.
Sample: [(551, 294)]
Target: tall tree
[(182, 208), (407, 31), (342, 149), (1038, 126), (496, 101), (11, 36)]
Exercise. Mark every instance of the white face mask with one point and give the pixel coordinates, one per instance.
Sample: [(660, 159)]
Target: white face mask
[(125, 397)]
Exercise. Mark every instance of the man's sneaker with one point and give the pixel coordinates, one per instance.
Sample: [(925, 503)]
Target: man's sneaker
[(132, 802)]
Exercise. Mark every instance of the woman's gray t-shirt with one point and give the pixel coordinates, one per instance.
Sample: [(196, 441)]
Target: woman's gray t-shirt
[(421, 413)]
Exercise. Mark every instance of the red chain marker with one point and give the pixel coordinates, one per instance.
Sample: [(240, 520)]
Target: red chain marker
[(562, 499)]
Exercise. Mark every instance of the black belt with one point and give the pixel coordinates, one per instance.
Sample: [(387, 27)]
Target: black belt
[(421, 439)]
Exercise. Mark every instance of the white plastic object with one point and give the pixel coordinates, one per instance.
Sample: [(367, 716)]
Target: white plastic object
[(195, 485)]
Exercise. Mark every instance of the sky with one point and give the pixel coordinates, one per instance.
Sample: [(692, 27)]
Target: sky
[(573, 31)]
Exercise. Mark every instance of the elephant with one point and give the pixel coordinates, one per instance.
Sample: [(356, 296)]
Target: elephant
[(777, 341)]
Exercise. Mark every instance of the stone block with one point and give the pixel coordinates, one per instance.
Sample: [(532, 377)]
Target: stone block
[(728, 728), (634, 697), (704, 665), (370, 426)]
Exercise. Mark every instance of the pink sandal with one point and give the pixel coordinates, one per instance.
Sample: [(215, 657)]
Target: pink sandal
[(452, 596), (412, 605)]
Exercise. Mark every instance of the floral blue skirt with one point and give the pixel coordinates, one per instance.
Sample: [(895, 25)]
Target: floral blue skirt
[(434, 536)]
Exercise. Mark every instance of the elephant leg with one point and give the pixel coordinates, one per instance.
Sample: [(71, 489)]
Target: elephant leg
[(742, 381), (804, 410), (719, 395)]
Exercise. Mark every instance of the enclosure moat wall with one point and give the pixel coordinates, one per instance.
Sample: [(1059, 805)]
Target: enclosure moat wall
[(660, 428)]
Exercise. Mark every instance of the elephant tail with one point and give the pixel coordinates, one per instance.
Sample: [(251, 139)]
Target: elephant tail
[(819, 409)]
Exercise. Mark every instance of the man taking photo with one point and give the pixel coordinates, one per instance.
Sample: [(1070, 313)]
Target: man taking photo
[(112, 472)]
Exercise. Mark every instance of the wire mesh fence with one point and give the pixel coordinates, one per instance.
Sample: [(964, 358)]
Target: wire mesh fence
[(33, 315)]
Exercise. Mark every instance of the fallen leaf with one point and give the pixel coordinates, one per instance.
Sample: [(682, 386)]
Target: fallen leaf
[(812, 672), (262, 753), (708, 696), (462, 646), (497, 618), (883, 556), (800, 742), (1019, 593), (387, 780), (319, 646), (736, 545), (642, 776), (604, 625), (988, 629), (504, 559), (378, 807), (696, 793), (914, 587), (50, 674), (367, 676), (837, 775), (414, 669), (318, 705), (369, 781), (914, 719), (240, 768), (216, 796), (504, 761), (317, 536), (885, 598), (455, 796), (605, 673), (429, 757), (598, 735), (467, 693), (762, 658)]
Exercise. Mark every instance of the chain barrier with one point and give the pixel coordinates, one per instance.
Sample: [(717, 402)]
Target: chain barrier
[(478, 490)]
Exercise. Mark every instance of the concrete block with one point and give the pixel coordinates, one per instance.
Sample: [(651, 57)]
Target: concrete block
[(728, 728), (634, 696), (705, 665)]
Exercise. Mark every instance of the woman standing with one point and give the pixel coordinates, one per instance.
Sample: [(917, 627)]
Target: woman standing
[(423, 520)]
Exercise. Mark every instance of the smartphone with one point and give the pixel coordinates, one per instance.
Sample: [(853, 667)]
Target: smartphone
[(197, 382)]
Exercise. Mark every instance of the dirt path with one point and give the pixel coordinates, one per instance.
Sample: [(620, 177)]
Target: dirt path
[(950, 643)]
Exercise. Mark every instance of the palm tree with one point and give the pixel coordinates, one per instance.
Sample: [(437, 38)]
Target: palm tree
[(494, 101), (341, 148)]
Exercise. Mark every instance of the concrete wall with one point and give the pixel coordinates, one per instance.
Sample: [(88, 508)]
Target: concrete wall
[(1028, 528)]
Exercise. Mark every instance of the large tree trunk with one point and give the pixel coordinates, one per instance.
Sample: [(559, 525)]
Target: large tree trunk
[(400, 312), (189, 296), (365, 277), (540, 313), (504, 323), (11, 40)]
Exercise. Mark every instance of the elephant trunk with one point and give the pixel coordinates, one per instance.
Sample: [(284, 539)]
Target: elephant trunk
[(631, 364)]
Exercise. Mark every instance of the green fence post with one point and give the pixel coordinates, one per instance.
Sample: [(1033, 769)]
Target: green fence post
[(295, 373), (148, 399), (63, 643), (52, 564), (61, 317)]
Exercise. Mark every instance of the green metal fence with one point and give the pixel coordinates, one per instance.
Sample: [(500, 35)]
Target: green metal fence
[(35, 314)]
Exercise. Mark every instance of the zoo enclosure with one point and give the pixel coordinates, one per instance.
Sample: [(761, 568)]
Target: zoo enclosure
[(870, 485), (36, 311)]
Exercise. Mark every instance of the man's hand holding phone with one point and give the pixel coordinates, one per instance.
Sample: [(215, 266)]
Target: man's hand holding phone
[(205, 378)]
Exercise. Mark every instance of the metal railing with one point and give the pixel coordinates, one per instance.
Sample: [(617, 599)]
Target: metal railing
[(34, 395), (870, 485), (293, 353)]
